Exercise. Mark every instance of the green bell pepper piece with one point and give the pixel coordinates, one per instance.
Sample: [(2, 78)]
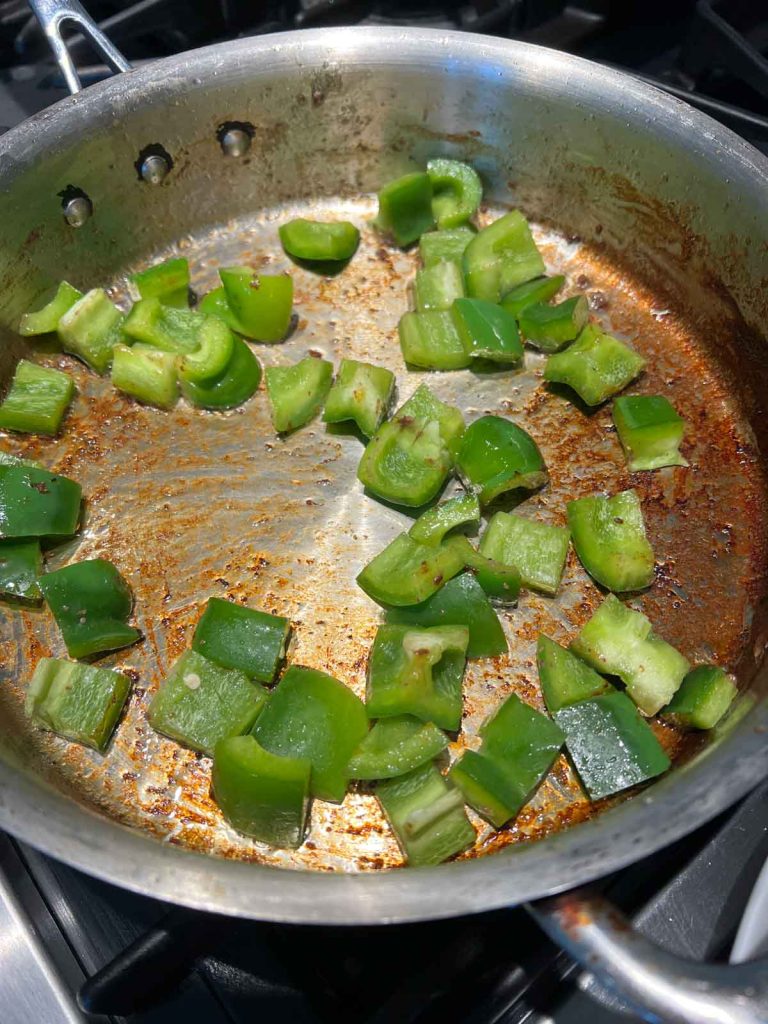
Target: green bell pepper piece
[(496, 455), (565, 679), (313, 716), (410, 456), (165, 328), (405, 208), (215, 304), (210, 361), (456, 192), (610, 745), (541, 289), (518, 749), (79, 702), (200, 703), (146, 373), (21, 563), (395, 746), (361, 392), (650, 431), (91, 603), (296, 393), (239, 382), (432, 525), (610, 540), (261, 795), (497, 579), (438, 246), (36, 503), (89, 329), (537, 549), (262, 303), (37, 399), (427, 816), (500, 257), (551, 328), (619, 641), (418, 672), (407, 572), (246, 639), (487, 331), (431, 341), (597, 366), (167, 281), (704, 696), (319, 240), (436, 287), (46, 319)]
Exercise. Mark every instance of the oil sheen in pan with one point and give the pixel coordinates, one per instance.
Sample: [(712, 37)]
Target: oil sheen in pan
[(190, 504)]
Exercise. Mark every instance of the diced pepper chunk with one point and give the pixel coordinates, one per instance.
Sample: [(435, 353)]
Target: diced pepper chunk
[(296, 393), (239, 381), (500, 257), (497, 579), (246, 639), (395, 746), (361, 392), (551, 328), (456, 192), (597, 366), (565, 679), (319, 240), (619, 641), (650, 431), (215, 304), (21, 564), (487, 331), (610, 539), (200, 703), (407, 572), (213, 356), (427, 816), (166, 328), (36, 503), (46, 319), (704, 696), (147, 374), (418, 672), (37, 399), (261, 303), (496, 455), (611, 746), (438, 246), (261, 795), (436, 287), (313, 716), (541, 289), (539, 550), (431, 341), (167, 281), (432, 525), (79, 702), (405, 208), (88, 329)]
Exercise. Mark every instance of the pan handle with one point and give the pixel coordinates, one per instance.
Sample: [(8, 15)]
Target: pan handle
[(661, 987), (52, 14)]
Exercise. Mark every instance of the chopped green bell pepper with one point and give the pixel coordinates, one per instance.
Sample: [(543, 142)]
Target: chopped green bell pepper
[(537, 549), (167, 281), (37, 399), (487, 331), (313, 716), (246, 639), (361, 392), (262, 303), (36, 503), (431, 341), (456, 192), (438, 246), (210, 361), (427, 816), (46, 319), (79, 702), (650, 431), (610, 540), (91, 603), (496, 455), (565, 679), (407, 572), (497, 579), (201, 703), (418, 672), (296, 393), (146, 373), (551, 328), (500, 257), (541, 289), (704, 696), (395, 746), (405, 208), (318, 240), (597, 366), (432, 525), (436, 287), (620, 641), (261, 795), (89, 329), (215, 304), (239, 382), (165, 328), (21, 564)]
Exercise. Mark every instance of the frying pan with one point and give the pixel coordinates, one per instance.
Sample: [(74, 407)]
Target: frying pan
[(657, 212)]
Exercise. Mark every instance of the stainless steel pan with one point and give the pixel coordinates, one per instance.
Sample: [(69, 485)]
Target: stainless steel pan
[(660, 214)]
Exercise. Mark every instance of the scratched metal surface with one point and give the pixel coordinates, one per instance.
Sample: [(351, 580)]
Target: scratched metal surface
[(191, 504)]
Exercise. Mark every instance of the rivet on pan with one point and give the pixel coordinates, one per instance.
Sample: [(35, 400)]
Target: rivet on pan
[(77, 211), (235, 142), (154, 169)]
